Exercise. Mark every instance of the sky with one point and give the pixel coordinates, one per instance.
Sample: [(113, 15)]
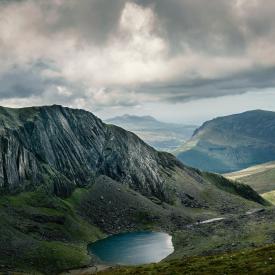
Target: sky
[(179, 60)]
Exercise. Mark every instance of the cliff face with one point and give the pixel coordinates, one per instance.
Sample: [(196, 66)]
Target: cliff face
[(59, 149), (70, 148)]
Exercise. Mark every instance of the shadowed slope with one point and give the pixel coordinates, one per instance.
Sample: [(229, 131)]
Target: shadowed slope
[(231, 143)]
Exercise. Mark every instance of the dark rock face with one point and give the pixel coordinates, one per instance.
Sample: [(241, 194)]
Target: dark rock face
[(70, 148), (59, 149), (231, 143)]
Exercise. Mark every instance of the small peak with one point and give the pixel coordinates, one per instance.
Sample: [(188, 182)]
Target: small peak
[(134, 117), (54, 106)]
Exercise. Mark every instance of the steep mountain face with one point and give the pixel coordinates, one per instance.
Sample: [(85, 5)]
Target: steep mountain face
[(162, 136), (60, 149), (231, 143), (70, 148)]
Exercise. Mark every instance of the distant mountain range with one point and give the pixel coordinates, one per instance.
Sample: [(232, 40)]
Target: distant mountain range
[(162, 136), (231, 143)]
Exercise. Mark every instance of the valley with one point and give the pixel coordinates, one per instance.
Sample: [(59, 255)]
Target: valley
[(68, 179), (137, 137), (162, 136)]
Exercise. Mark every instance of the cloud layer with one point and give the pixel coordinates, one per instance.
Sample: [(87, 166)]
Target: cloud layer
[(99, 53)]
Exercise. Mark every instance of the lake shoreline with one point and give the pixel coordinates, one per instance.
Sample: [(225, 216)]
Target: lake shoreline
[(132, 248)]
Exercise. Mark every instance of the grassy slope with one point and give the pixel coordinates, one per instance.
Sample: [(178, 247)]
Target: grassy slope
[(45, 233), (256, 261), (260, 177), (234, 187), (232, 234), (269, 196), (42, 233)]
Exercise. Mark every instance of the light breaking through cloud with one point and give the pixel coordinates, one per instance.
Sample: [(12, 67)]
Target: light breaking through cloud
[(96, 54)]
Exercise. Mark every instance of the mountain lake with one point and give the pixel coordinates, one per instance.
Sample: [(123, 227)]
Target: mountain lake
[(133, 248)]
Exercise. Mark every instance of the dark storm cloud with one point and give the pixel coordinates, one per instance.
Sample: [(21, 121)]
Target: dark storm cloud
[(29, 81), (216, 26), (202, 25), (24, 82), (90, 20)]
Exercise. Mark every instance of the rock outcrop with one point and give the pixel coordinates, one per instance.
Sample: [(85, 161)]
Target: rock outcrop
[(70, 148)]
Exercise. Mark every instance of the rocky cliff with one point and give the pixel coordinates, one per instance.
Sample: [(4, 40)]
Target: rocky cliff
[(59, 149), (70, 148)]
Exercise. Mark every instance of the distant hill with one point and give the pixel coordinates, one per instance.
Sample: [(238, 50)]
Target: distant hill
[(231, 143), (162, 136)]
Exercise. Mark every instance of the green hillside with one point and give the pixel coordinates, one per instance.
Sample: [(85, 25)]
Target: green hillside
[(260, 177), (231, 143)]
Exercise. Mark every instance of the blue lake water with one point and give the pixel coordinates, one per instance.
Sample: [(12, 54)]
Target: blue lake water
[(133, 248)]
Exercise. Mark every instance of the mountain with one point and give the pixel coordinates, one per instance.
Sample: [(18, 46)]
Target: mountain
[(67, 178), (231, 143), (260, 177), (61, 149), (162, 136)]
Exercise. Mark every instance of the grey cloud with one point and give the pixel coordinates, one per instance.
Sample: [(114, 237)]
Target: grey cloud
[(27, 81), (254, 79), (90, 20), (19, 82), (208, 28)]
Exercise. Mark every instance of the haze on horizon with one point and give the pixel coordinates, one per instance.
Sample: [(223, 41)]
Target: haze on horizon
[(179, 60)]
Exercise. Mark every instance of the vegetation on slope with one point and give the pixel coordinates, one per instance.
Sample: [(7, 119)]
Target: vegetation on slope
[(233, 233), (269, 196), (260, 177), (235, 188), (44, 233), (40, 232)]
